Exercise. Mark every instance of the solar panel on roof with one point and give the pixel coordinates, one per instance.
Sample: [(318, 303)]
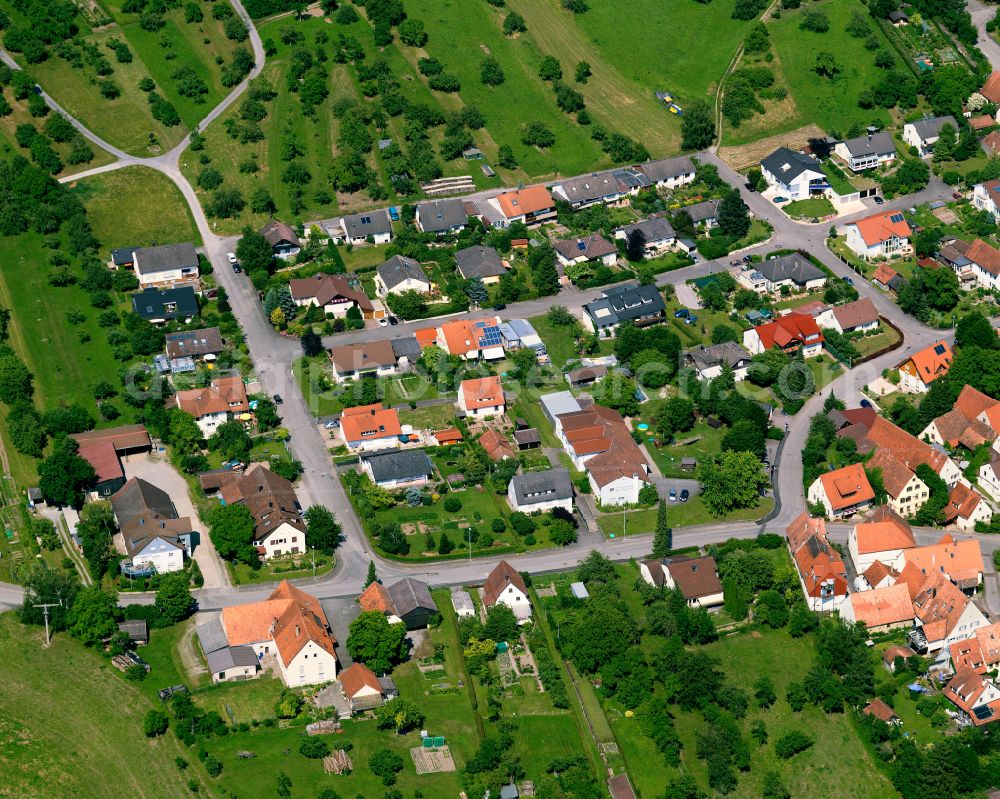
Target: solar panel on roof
[(581, 246), (982, 712), (896, 218), (939, 349)]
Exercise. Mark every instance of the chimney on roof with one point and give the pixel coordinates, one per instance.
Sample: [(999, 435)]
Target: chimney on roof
[(270, 630), (298, 631)]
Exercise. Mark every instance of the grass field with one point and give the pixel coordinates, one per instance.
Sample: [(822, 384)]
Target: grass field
[(461, 33), (180, 43), (65, 366), (119, 210), (126, 121), (830, 103), (680, 514), (72, 726), (20, 116), (808, 209)]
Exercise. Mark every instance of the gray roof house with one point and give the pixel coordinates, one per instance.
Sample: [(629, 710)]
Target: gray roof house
[(356, 228), (194, 343), (479, 261), (642, 305), (391, 468), (868, 151), (541, 490), (786, 164), (793, 269), (284, 243), (406, 347), (709, 361), (165, 258), (413, 602), (583, 250), (162, 305), (589, 189), (657, 232), (441, 216), (706, 211), (923, 133), (232, 663), (400, 273), (672, 171)]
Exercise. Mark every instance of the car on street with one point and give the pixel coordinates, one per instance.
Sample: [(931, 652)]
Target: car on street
[(749, 186), (747, 259), (332, 424), (956, 196), (779, 200), (685, 495), (231, 257), (681, 313), (878, 200), (237, 268), (383, 322), (393, 320), (500, 306), (849, 281), (277, 399), (673, 494)]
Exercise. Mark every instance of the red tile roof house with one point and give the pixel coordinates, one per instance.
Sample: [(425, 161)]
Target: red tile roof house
[(822, 573), (696, 578), (911, 451), (986, 196), (794, 332), (922, 368), (979, 652), (215, 404), (505, 585), (880, 610), (599, 443), (360, 686), (966, 508), (976, 697), (482, 396), (943, 613), (969, 423), (883, 276), (884, 536), (882, 235), (842, 492), (369, 427), (277, 514), (893, 652), (333, 293), (881, 711), (859, 316), (291, 626)]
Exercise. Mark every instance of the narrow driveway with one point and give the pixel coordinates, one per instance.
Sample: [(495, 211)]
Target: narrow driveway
[(161, 473)]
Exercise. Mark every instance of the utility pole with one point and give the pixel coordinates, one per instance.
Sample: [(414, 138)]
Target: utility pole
[(45, 613)]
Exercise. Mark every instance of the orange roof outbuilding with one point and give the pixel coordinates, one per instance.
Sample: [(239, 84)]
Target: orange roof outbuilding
[(883, 606), (356, 677), (847, 486), (529, 200)]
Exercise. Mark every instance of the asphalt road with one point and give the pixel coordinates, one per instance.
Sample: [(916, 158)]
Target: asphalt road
[(273, 356)]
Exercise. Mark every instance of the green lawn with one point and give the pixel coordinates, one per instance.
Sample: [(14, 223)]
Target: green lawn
[(119, 209), (701, 442), (431, 417), (679, 514), (72, 726), (884, 338), (838, 179), (19, 116), (180, 43), (300, 567), (560, 346), (461, 32), (124, 121), (830, 103), (809, 209), (66, 358), (672, 46)]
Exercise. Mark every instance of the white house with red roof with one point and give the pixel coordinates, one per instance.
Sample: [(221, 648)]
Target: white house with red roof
[(822, 573), (482, 396), (290, 629), (986, 197), (880, 235), (792, 333), (883, 536), (842, 492)]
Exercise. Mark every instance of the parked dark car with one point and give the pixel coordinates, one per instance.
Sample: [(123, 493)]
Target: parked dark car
[(685, 495), (865, 403), (237, 268), (500, 306), (277, 399), (393, 320), (878, 200)]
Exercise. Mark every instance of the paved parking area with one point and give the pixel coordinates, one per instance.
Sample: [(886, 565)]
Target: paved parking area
[(160, 472), (687, 296)]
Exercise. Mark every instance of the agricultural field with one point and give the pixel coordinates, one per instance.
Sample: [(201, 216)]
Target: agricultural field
[(125, 120), (830, 103), (119, 211), (64, 739)]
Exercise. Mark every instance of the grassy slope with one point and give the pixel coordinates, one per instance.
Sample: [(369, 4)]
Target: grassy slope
[(72, 727), (119, 211), (831, 104), (126, 121), (618, 101), (20, 115), (675, 46), (461, 33), (188, 42)]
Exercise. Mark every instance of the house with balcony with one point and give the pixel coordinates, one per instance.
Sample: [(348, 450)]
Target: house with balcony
[(883, 235), (924, 133), (792, 333), (166, 266), (794, 175), (867, 152)]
